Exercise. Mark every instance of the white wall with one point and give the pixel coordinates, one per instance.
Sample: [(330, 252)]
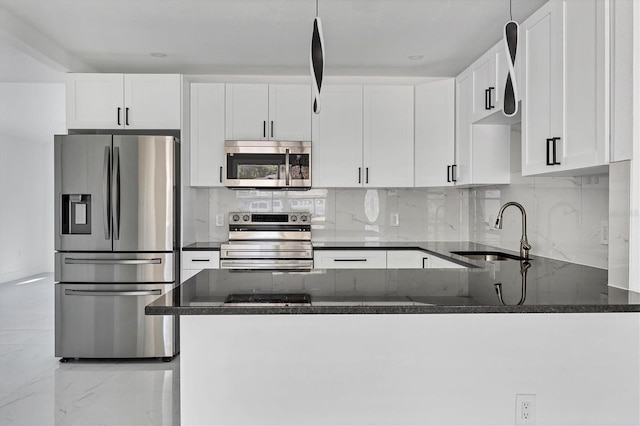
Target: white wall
[(30, 114)]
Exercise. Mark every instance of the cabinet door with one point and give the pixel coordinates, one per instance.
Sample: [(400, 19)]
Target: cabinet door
[(289, 112), (247, 111), (388, 136), (435, 133), (349, 259), (207, 133), (484, 90), (540, 97), (337, 138), (152, 101), (501, 71), (95, 101), (462, 172), (582, 117), (406, 259)]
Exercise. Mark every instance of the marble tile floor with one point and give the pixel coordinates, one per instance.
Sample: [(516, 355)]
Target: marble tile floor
[(36, 389)]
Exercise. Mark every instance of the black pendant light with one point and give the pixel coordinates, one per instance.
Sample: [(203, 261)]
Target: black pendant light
[(317, 61), (510, 37)]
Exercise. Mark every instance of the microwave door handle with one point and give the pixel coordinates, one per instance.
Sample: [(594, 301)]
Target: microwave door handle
[(286, 167)]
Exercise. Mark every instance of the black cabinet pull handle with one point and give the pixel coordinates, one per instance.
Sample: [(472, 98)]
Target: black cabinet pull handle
[(486, 98), (220, 174), (349, 260), (119, 109), (366, 180), (491, 89), (126, 116), (359, 174), (453, 173), (549, 142), (554, 140), (271, 128), (448, 173), (264, 129)]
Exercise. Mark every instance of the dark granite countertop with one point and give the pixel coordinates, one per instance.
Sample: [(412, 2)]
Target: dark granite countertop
[(551, 286), (211, 245)]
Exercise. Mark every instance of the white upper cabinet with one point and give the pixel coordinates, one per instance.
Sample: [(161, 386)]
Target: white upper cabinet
[(484, 86), (290, 112), (434, 133), (207, 133), (461, 169), (482, 150), (337, 138), (123, 101), (388, 136), (565, 130), (363, 137), (268, 112)]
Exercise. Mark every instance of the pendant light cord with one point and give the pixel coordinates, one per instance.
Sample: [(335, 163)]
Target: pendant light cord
[(317, 8), (510, 14)]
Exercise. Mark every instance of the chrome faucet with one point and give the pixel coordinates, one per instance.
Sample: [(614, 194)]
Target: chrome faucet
[(524, 243)]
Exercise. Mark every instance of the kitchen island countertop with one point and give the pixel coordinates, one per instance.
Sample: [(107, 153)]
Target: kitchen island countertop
[(545, 286)]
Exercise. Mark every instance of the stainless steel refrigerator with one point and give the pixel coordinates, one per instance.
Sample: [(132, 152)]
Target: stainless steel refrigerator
[(117, 231)]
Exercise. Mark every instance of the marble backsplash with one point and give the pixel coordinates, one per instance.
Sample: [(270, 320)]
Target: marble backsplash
[(564, 216), (434, 214)]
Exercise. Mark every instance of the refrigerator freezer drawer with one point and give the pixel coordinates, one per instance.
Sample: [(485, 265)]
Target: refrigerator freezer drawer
[(114, 267), (108, 321)]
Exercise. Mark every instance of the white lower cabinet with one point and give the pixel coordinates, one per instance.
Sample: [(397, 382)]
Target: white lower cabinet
[(350, 259), (196, 261), (380, 259), (417, 259)]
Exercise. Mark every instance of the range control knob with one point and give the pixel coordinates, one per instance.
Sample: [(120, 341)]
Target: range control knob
[(235, 218), (245, 218), (294, 218), (303, 218)]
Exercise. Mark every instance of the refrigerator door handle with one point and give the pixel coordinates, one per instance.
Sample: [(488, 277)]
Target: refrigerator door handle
[(155, 292), (116, 193), (105, 192), (73, 261)]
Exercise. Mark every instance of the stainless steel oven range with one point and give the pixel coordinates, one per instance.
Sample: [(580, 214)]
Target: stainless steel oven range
[(268, 241)]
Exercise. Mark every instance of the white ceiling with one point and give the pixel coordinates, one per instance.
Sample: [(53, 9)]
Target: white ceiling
[(362, 37)]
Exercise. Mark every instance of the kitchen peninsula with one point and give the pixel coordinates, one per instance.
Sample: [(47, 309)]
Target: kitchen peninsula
[(310, 364)]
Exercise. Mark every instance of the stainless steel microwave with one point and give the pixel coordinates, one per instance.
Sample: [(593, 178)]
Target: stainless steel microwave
[(267, 164)]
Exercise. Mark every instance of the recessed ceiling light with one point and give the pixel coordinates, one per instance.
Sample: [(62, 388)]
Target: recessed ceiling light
[(158, 55), (416, 57)]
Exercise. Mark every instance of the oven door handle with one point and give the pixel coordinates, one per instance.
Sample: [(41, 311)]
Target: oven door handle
[(235, 264)]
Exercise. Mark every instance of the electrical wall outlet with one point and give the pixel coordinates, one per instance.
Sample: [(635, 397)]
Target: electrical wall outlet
[(395, 219), (604, 232), (220, 219), (525, 409)]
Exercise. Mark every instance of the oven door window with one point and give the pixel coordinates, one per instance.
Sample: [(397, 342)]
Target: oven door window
[(256, 166)]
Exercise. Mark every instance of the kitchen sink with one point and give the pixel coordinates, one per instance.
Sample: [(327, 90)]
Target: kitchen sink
[(490, 256)]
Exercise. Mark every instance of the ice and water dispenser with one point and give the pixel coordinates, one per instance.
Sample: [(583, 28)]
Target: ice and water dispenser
[(76, 213)]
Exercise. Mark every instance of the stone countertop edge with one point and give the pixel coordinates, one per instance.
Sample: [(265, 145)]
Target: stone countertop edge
[(366, 310)]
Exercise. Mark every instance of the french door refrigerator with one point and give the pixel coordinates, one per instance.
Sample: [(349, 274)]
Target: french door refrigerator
[(116, 238)]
